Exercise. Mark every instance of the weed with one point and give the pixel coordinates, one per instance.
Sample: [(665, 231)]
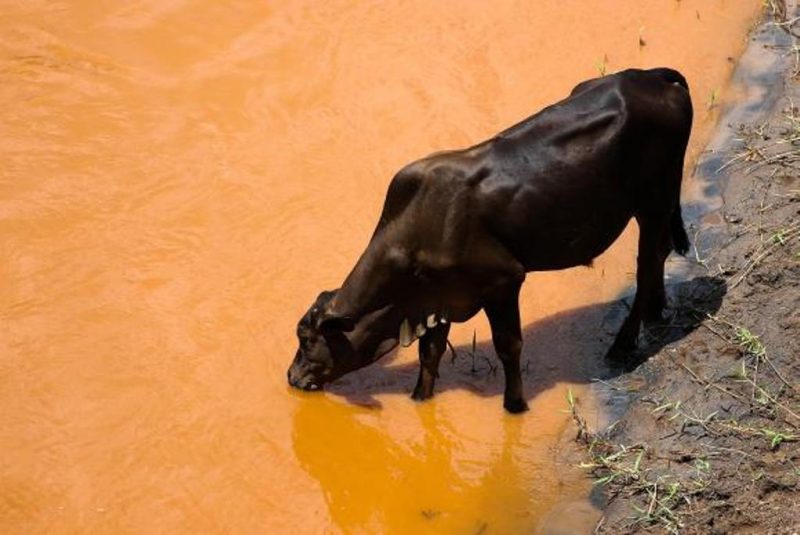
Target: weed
[(580, 423), (662, 498), (473, 356), (602, 66), (702, 466), (474, 368), (612, 462), (776, 438), (712, 99), (749, 342)]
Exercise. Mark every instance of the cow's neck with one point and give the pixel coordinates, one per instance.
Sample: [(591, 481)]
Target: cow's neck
[(374, 282), (368, 286)]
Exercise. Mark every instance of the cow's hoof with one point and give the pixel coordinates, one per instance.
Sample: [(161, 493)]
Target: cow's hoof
[(656, 315), (621, 350), (616, 355), (418, 395), (515, 406), (622, 356)]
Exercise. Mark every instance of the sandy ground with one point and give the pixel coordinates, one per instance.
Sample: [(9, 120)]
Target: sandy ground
[(710, 439)]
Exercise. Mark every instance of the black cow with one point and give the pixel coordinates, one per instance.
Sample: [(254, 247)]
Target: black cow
[(460, 229)]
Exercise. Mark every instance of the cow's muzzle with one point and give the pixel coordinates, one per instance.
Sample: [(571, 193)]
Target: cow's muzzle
[(300, 380)]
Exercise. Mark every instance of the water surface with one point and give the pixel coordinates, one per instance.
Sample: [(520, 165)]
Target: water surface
[(180, 179)]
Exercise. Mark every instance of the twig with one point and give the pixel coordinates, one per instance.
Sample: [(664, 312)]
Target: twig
[(699, 379), (719, 334), (758, 258), (778, 403), (452, 350), (755, 376), (780, 376)]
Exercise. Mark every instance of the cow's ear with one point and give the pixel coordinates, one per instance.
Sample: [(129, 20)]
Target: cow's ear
[(331, 323)]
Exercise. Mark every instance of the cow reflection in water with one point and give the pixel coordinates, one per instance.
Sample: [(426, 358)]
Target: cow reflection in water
[(375, 480), (460, 229)]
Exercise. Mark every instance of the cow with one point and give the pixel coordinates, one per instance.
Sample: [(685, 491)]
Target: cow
[(460, 229)]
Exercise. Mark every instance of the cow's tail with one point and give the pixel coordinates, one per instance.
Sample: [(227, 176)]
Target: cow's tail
[(672, 76), (680, 241)]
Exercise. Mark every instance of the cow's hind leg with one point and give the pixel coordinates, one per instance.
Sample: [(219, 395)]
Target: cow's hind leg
[(674, 239), (504, 319), (649, 299), (431, 347), (658, 295)]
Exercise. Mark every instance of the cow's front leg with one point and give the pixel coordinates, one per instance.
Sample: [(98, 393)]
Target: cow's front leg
[(432, 345), (507, 338)]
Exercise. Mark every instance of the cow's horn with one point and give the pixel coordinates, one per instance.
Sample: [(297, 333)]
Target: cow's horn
[(420, 330)]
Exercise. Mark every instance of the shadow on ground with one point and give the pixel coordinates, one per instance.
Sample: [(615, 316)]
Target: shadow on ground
[(566, 347)]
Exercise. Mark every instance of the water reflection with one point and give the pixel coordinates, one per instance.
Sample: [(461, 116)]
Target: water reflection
[(397, 481)]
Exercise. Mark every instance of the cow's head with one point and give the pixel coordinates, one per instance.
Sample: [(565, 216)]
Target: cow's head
[(332, 345)]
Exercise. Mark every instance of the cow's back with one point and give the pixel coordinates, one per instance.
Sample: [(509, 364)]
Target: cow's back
[(554, 190), (566, 182)]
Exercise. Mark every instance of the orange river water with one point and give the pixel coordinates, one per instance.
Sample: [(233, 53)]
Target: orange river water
[(178, 181)]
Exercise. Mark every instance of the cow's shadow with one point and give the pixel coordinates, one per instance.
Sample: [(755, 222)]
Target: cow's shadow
[(566, 347)]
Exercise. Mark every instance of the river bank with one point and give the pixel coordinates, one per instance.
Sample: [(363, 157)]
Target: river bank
[(708, 442)]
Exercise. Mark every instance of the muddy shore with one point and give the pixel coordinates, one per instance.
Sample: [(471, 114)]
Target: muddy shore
[(706, 437)]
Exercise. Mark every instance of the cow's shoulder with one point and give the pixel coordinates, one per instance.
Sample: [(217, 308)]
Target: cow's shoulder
[(441, 171), (403, 188)]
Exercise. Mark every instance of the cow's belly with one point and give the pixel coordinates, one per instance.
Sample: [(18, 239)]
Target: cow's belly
[(570, 226), (565, 247), (557, 212)]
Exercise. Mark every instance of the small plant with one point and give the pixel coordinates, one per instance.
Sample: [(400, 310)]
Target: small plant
[(742, 371), (661, 501), (612, 462), (580, 423), (749, 342), (602, 66), (712, 99), (761, 397), (474, 345), (474, 356), (776, 438), (570, 400), (702, 466)]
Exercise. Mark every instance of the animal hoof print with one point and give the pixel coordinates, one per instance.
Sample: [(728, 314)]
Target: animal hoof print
[(515, 406)]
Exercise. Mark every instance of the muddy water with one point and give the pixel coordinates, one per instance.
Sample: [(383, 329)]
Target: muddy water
[(178, 181)]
